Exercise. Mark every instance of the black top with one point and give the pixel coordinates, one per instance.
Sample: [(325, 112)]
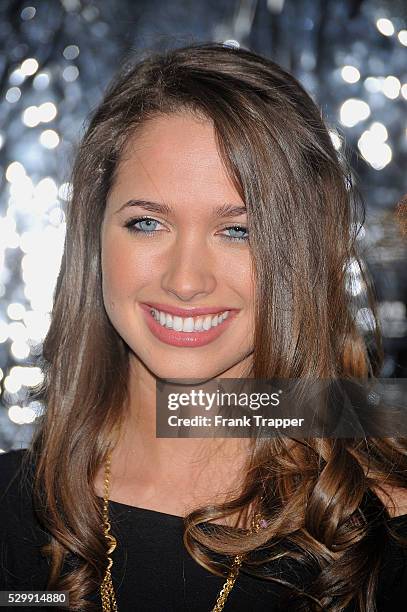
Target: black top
[(152, 571)]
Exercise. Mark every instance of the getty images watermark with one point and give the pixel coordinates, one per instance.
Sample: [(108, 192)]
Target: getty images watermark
[(335, 408)]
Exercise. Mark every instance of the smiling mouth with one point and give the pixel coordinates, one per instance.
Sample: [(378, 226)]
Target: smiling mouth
[(186, 331), (198, 323)]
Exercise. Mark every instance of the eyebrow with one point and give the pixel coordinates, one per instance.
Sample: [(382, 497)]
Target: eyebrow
[(220, 212)]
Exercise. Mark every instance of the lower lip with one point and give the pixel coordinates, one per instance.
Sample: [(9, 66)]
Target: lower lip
[(190, 339)]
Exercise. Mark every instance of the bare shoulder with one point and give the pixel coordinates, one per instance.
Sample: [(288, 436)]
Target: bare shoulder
[(394, 498)]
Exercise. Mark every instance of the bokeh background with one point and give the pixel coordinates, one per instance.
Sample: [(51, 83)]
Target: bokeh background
[(57, 56)]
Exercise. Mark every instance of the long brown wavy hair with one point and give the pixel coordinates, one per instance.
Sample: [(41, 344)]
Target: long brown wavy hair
[(304, 214)]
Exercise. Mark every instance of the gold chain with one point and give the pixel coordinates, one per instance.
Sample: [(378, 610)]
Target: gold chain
[(106, 588)]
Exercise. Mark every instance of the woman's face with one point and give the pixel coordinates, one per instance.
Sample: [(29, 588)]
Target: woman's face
[(180, 259)]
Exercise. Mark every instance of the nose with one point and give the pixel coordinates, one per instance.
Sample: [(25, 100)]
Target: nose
[(191, 271)]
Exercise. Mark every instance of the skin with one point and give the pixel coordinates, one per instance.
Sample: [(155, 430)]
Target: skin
[(187, 262)]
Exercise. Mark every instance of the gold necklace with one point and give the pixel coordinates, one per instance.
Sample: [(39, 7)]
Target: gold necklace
[(106, 588)]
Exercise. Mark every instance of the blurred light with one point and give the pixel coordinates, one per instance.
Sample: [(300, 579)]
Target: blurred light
[(393, 318), (20, 349), (71, 52), (49, 139), (45, 194), (13, 94), (403, 91), (1, 140), (275, 6), (29, 240), (47, 257), (65, 191), (29, 66), (28, 414), (336, 141), (379, 131), (37, 323), (41, 81), (352, 111), (15, 171), (28, 13), (90, 13), (402, 36), (31, 116), (47, 111), (56, 216), (15, 311), (21, 416), (354, 283), (308, 23), (354, 286), (373, 84), (350, 74), (365, 319), (361, 233), (8, 235), (29, 376), (12, 384), (353, 267), (385, 26), (391, 87), (33, 376), (231, 42), (18, 332), (14, 414), (71, 5), (3, 331), (373, 148), (70, 73), (21, 192), (394, 310), (37, 407), (308, 60), (17, 77)]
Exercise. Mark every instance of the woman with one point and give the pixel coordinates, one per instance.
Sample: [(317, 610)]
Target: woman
[(190, 153)]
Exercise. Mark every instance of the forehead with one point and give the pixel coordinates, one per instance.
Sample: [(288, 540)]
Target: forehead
[(173, 158)]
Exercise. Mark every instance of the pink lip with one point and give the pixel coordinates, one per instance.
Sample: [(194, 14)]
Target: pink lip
[(190, 339)]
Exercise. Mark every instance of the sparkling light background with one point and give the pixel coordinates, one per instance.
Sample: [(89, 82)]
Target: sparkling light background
[(58, 56)]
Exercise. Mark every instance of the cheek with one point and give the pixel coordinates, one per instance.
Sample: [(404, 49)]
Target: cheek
[(238, 273), (125, 268), (118, 268)]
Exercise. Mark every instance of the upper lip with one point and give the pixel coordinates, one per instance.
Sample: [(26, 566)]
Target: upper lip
[(189, 312)]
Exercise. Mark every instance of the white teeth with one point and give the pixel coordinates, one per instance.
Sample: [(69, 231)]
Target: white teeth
[(177, 323), (188, 324), (207, 322), (198, 324), (216, 320)]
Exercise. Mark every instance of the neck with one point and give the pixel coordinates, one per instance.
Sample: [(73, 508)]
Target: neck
[(193, 469)]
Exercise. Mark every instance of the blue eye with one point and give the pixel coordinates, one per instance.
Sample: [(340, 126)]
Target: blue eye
[(149, 228), (131, 225), (239, 229)]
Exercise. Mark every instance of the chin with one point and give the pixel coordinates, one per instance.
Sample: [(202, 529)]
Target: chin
[(182, 374), (183, 377)]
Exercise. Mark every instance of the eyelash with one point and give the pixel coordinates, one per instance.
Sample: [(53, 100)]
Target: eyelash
[(130, 225)]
